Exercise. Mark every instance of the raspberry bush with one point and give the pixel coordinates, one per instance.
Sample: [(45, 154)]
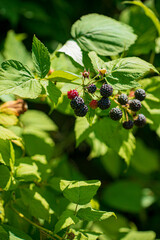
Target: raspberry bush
[(100, 85)]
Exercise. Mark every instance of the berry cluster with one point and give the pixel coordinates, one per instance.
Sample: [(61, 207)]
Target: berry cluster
[(126, 108)]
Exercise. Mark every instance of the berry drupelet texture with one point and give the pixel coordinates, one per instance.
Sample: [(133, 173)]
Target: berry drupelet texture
[(77, 103), (106, 90), (93, 104), (72, 94), (128, 124), (135, 105), (115, 114), (104, 103), (82, 111), (140, 121), (140, 94), (123, 99), (91, 88)]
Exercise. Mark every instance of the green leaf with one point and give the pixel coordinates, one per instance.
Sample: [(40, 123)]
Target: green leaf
[(35, 203), (6, 134), (53, 92), (102, 34), (148, 13), (37, 120), (3, 234), (89, 214), (97, 62), (38, 142), (80, 192), (15, 78), (15, 49), (66, 219), (27, 172), (72, 49), (122, 143), (6, 153), (138, 235), (15, 234), (90, 235), (123, 72), (5, 177), (62, 76), (82, 130), (41, 57), (8, 120), (123, 195)]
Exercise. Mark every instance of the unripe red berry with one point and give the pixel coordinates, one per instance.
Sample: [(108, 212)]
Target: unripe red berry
[(93, 104), (85, 74), (72, 94)]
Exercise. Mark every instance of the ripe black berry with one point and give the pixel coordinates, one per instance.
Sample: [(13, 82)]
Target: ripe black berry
[(106, 90), (115, 114), (140, 121), (91, 88), (140, 94), (77, 102), (82, 111), (128, 124), (135, 105), (123, 99), (104, 103)]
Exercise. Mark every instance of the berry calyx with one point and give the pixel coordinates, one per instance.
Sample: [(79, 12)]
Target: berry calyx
[(140, 94), (77, 103), (135, 105), (82, 111), (128, 124), (106, 90), (123, 99), (140, 121), (102, 72), (93, 104), (91, 88), (115, 114), (104, 103), (72, 94), (85, 74)]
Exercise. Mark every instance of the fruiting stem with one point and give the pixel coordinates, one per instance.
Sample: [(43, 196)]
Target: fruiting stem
[(48, 232), (126, 115)]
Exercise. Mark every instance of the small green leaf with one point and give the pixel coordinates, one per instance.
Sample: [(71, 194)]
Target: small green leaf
[(89, 214), (6, 134), (5, 177), (97, 62), (104, 35), (41, 57), (62, 76), (66, 219), (16, 79), (36, 204), (80, 192), (53, 92), (72, 49), (15, 234), (27, 172)]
